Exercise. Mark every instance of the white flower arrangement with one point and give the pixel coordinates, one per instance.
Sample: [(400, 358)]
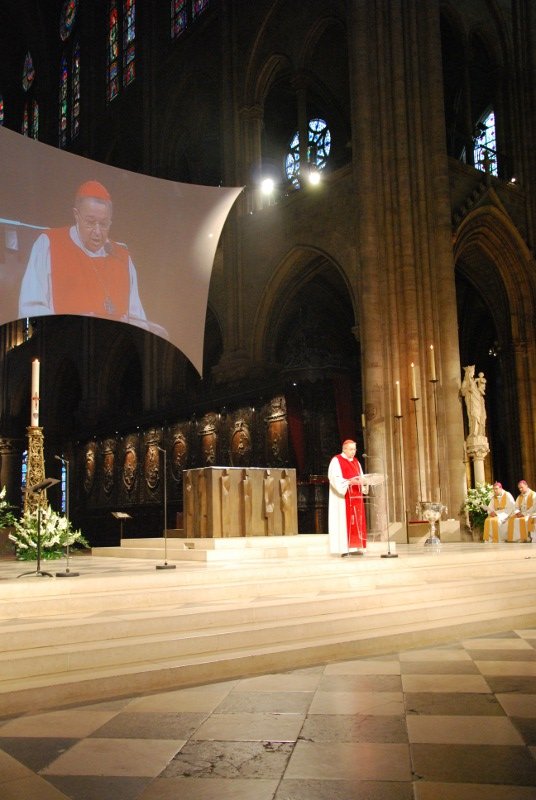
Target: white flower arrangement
[(56, 533), (476, 504)]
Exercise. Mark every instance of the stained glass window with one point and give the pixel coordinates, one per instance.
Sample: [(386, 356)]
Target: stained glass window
[(67, 18), (25, 127), (198, 6), (129, 41), (75, 91), (34, 122), (64, 103), (485, 148), (113, 51), (28, 72), (179, 17), (1, 110), (318, 149), (24, 469), (121, 62)]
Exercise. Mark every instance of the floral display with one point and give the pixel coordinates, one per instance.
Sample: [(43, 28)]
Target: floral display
[(56, 533)]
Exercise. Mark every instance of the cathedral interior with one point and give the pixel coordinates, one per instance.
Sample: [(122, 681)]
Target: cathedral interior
[(398, 137)]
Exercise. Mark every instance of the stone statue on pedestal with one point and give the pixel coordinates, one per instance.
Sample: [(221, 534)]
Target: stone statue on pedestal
[(473, 391)]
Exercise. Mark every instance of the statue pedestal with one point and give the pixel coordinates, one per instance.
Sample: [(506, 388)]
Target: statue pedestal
[(237, 501), (477, 448)]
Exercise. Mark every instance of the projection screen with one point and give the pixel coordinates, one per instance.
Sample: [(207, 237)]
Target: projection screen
[(129, 248)]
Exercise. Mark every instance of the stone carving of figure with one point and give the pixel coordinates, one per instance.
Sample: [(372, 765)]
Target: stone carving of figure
[(189, 503), (89, 472), (247, 501), (130, 467), (285, 484), (225, 503), (269, 501), (473, 391)]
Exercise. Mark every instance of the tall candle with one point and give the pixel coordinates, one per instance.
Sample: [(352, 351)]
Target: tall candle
[(432, 364), (34, 415), (398, 404), (414, 394)]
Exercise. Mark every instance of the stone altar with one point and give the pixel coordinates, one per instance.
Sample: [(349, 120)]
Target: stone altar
[(239, 501)]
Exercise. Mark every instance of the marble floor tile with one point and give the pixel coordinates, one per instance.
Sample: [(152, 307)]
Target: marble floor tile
[(507, 668), (452, 703), (349, 762), (119, 757), (93, 787), (252, 702), (462, 730), (520, 684), (354, 728), (210, 789), (200, 698), (438, 668), (36, 753), (67, 723), (436, 654), (31, 788), (343, 790), (474, 764), (425, 790), (251, 727), (504, 655), (527, 729), (384, 703), (361, 683), (497, 643), (151, 725), (230, 760), (284, 682), (445, 683), (517, 705), (365, 667)]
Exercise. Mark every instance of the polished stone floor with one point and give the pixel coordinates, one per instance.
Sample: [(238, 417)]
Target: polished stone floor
[(455, 722)]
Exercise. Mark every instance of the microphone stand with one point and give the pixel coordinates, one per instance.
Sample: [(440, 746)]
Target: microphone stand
[(388, 554), (165, 565), (67, 573)]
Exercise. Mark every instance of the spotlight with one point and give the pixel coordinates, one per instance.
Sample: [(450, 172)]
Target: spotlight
[(267, 186), (314, 177)]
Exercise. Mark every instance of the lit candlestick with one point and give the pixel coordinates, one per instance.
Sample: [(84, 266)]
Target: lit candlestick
[(414, 395), (432, 364), (398, 404), (363, 421), (34, 415)]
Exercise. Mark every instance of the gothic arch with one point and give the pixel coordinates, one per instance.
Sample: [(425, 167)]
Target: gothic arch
[(493, 266), (296, 270), (488, 231)]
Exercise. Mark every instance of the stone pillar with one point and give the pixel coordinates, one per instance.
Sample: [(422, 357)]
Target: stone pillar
[(406, 284)]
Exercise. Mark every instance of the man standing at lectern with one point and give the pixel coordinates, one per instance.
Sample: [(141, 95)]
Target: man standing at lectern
[(346, 513)]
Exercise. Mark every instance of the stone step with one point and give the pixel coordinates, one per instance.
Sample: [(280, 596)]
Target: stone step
[(126, 641)]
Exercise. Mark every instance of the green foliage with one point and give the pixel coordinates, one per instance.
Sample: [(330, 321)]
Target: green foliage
[(476, 504), (7, 518), (56, 534)]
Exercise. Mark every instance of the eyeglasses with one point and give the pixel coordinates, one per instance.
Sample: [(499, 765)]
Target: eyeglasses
[(93, 224)]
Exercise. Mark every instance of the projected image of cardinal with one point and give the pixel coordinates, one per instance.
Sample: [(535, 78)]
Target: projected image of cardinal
[(79, 269)]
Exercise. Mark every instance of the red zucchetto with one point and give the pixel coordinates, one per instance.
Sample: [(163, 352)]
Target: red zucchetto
[(94, 189)]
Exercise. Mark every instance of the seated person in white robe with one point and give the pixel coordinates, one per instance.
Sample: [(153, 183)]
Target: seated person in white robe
[(522, 524), (500, 508)]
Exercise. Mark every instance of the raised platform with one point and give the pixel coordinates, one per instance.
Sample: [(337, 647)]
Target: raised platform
[(122, 626)]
